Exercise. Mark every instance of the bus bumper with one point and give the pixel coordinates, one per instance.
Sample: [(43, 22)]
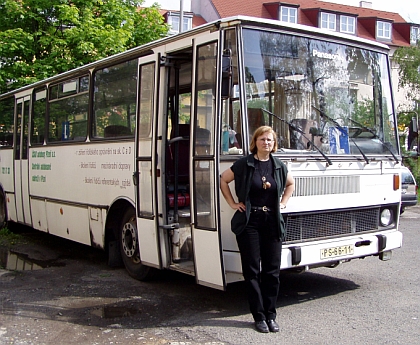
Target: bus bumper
[(330, 252)]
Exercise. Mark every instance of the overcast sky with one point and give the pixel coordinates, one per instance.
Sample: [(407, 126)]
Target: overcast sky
[(408, 9)]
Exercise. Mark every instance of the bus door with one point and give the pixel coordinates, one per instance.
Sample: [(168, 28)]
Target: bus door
[(147, 176), (206, 237), (21, 169)]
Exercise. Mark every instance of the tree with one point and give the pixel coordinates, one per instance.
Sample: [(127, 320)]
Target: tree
[(408, 59), (41, 38)]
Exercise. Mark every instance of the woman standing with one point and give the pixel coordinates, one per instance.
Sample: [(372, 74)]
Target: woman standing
[(263, 186)]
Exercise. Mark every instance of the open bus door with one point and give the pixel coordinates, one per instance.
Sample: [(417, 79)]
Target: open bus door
[(147, 177), (21, 169), (206, 237)]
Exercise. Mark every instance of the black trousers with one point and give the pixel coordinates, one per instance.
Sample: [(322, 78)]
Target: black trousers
[(260, 250)]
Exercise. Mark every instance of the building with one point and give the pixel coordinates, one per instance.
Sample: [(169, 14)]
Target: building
[(386, 27)]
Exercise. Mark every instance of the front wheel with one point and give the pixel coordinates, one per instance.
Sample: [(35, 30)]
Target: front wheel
[(129, 247)]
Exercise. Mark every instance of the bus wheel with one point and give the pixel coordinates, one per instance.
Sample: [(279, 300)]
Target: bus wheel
[(3, 213), (130, 249)]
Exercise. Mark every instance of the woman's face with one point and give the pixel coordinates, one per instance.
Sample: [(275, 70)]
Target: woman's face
[(265, 143)]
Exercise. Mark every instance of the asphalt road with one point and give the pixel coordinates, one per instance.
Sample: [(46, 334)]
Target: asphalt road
[(79, 300)]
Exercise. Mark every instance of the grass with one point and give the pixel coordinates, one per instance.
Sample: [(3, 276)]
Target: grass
[(9, 238)]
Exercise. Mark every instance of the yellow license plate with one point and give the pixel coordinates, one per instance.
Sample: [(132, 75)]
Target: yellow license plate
[(334, 252)]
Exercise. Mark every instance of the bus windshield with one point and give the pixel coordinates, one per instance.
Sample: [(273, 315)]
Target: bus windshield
[(321, 97)]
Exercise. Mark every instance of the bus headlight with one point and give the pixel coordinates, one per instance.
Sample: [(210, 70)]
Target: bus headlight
[(386, 217)]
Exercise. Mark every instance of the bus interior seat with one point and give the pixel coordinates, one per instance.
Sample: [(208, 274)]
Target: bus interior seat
[(183, 165), (255, 119), (298, 140), (116, 131), (202, 141)]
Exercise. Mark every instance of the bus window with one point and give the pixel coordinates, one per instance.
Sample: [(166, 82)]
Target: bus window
[(38, 116), (6, 122), (204, 143), (68, 111), (231, 142), (115, 101)]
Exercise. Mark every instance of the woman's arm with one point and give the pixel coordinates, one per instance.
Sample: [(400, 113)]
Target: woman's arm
[(288, 190), (225, 178)]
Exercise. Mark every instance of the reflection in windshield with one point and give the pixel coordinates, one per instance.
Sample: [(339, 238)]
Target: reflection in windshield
[(337, 96)]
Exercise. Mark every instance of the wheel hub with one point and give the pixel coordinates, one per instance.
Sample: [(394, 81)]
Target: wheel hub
[(129, 240)]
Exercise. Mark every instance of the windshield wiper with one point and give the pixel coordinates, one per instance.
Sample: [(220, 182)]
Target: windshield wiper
[(336, 124), (301, 132), (375, 136)]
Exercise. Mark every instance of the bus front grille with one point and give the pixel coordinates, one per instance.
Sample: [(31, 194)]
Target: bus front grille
[(305, 227)]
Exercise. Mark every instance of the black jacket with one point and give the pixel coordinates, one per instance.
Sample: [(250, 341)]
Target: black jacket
[(243, 170)]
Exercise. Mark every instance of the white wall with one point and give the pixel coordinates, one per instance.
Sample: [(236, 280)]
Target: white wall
[(173, 5)]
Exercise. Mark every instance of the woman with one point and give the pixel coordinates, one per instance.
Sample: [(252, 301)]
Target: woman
[(263, 186)]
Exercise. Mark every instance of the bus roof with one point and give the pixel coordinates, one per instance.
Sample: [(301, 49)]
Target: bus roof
[(147, 48)]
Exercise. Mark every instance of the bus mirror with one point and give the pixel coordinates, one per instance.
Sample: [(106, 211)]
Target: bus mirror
[(226, 74), (135, 178)]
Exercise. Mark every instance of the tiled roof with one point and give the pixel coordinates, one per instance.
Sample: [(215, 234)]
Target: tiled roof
[(256, 8), (267, 9)]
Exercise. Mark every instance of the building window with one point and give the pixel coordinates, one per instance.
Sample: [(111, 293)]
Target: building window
[(383, 30), (415, 34), (328, 21), (348, 24), (173, 21), (288, 14)]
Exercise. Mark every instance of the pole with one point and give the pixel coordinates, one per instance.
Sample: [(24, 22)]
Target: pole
[(181, 15)]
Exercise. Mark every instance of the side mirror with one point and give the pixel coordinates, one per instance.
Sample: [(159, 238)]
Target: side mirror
[(226, 74)]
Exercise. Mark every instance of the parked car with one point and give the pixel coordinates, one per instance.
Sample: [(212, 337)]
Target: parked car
[(408, 189)]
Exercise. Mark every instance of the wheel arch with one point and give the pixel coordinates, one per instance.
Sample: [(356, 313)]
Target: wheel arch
[(114, 217)]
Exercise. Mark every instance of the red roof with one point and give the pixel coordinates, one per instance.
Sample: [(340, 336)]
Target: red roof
[(268, 10)]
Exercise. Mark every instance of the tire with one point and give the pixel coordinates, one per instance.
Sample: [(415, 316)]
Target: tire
[(3, 210), (129, 248)]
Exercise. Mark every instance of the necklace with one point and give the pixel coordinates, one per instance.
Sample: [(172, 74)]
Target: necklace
[(263, 174)]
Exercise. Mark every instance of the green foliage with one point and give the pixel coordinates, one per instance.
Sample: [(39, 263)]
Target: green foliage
[(9, 238), (408, 59), (364, 112), (41, 38)]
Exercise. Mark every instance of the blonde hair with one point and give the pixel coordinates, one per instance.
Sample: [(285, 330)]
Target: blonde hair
[(258, 132)]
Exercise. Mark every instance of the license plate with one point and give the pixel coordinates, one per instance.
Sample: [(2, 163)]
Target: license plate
[(334, 252)]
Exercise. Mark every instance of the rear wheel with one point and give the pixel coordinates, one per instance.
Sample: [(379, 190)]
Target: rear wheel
[(129, 246)]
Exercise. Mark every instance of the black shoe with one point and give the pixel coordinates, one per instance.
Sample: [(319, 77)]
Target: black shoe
[(272, 325), (261, 326)]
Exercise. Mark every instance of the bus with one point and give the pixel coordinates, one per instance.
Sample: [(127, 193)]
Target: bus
[(125, 154)]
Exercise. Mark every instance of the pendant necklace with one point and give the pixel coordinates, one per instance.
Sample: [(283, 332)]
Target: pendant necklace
[(265, 183)]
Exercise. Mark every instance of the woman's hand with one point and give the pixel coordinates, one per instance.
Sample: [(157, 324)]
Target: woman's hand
[(239, 206)]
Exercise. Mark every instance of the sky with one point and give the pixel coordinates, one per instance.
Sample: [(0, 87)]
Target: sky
[(408, 9)]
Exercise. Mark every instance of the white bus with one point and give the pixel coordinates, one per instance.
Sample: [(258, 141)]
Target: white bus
[(125, 153)]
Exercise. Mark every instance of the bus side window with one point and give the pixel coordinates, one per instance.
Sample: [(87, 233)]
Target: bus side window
[(114, 105), (68, 110), (231, 127), (39, 110), (7, 107)]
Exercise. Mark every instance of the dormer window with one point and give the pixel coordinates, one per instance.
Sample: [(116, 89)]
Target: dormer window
[(288, 14), (328, 21), (415, 34), (348, 24), (173, 21), (383, 30)]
